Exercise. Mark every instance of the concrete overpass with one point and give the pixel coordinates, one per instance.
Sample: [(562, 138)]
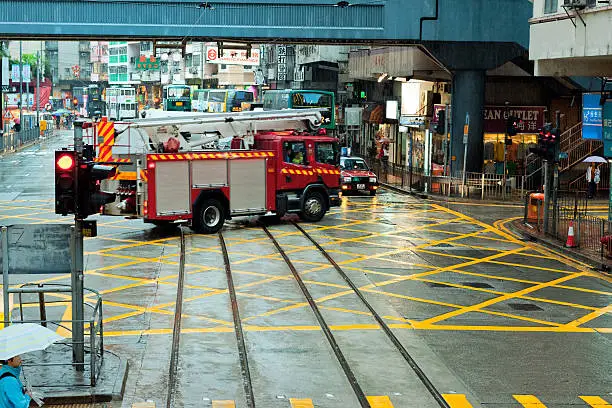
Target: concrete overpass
[(466, 37)]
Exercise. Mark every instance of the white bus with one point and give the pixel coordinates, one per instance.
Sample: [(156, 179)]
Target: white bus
[(121, 103)]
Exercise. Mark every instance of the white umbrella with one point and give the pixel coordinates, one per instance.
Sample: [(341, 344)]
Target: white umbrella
[(25, 337), (594, 159)]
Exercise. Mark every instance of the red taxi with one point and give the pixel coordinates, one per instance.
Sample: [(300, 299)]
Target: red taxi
[(356, 176)]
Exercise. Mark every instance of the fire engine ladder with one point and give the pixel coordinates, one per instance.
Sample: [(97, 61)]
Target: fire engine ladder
[(202, 128)]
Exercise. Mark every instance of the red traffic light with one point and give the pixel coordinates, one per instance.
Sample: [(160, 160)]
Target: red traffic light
[(65, 162)]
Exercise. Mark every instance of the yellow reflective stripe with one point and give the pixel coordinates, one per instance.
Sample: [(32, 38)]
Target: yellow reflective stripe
[(223, 404), (596, 402), (380, 402), (301, 403), (529, 401), (457, 400)]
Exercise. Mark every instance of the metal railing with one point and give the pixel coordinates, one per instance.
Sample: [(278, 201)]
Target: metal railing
[(477, 185), (12, 141), (94, 329)]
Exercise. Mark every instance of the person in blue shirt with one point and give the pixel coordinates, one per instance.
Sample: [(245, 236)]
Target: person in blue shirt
[(12, 392)]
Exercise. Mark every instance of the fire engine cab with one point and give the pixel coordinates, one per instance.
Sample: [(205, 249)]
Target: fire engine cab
[(208, 168)]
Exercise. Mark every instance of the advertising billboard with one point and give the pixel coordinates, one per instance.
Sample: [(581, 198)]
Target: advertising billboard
[(232, 57)]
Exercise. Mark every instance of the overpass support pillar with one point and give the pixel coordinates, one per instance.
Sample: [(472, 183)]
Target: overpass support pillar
[(468, 97)]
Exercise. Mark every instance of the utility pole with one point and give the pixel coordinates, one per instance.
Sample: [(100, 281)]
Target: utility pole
[(466, 133), (1, 87), (37, 88), (202, 59), (546, 194), (78, 325), (446, 144), (20, 82)]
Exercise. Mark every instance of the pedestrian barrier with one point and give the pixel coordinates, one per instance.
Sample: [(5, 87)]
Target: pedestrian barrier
[(477, 185), (94, 333), (12, 141)]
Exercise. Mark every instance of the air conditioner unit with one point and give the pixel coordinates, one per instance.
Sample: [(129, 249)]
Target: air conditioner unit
[(193, 70), (575, 4)]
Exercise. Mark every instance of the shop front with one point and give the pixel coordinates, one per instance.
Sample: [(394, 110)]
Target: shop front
[(515, 153), (378, 130)]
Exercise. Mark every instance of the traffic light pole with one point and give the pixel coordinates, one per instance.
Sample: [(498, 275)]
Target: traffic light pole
[(78, 324), (546, 194)]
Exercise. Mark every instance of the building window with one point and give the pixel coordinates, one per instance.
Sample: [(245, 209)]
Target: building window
[(146, 46), (550, 6)]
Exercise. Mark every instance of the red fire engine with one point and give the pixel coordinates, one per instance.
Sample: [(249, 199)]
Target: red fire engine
[(207, 168)]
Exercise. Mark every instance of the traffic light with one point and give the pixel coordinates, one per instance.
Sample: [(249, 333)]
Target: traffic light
[(65, 181), (512, 125), (441, 125), (549, 140), (90, 198)]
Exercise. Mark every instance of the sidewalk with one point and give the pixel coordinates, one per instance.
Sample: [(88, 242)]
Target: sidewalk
[(592, 258)]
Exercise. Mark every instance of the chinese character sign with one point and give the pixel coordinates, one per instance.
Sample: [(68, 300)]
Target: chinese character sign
[(145, 63), (281, 62), (591, 116), (232, 57), (495, 118)]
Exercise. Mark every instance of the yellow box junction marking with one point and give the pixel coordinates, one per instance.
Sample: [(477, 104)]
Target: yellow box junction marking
[(596, 402), (529, 401), (301, 403), (457, 400), (380, 402)]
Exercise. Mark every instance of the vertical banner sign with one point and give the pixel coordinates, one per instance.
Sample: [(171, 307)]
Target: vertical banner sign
[(281, 62), (25, 73), (591, 116), (5, 72), (607, 129), (466, 128)]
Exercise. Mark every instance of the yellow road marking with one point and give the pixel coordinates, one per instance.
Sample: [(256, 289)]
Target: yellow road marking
[(379, 401), (251, 328), (529, 401), (500, 299), (596, 402), (590, 316), (457, 400), (66, 327), (223, 404), (301, 403)]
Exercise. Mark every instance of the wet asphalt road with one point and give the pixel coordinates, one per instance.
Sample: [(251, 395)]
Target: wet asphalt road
[(488, 317)]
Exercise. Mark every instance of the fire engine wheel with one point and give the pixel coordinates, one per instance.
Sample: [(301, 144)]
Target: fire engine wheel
[(210, 217), (313, 208)]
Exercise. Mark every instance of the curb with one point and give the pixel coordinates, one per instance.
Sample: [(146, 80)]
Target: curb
[(93, 395), (596, 264)]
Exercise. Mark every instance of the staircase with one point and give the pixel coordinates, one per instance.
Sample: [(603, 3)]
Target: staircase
[(577, 150), (576, 147)]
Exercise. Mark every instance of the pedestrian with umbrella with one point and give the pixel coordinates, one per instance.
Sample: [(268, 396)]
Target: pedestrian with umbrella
[(593, 174), (12, 392), (15, 340)]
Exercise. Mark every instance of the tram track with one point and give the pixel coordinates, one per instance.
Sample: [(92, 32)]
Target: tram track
[(243, 353)]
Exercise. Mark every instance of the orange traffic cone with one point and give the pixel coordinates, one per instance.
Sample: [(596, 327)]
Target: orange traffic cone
[(570, 236)]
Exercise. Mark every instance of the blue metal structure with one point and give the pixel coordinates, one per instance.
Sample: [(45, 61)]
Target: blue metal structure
[(385, 21)]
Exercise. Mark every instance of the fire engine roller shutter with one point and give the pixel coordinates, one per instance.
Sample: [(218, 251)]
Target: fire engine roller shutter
[(209, 173), (172, 195), (247, 185)]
